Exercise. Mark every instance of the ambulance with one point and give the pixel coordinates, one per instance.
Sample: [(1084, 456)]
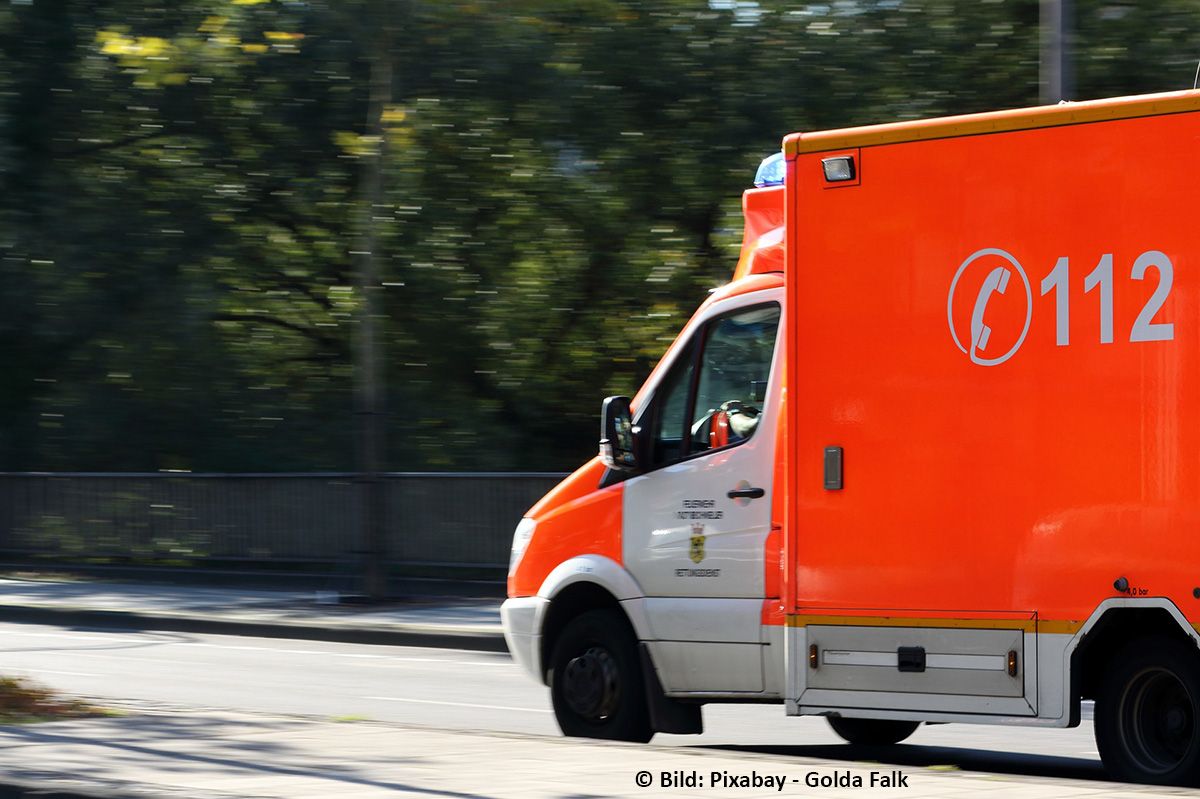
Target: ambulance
[(933, 454)]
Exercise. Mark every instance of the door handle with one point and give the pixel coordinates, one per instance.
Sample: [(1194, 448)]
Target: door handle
[(746, 493)]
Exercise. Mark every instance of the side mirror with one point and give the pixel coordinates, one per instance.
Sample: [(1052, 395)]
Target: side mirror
[(616, 435)]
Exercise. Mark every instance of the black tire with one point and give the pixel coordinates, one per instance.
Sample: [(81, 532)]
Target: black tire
[(872, 732), (596, 682), (1147, 718)]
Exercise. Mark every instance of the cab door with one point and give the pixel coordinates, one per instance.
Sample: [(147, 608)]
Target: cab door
[(697, 518)]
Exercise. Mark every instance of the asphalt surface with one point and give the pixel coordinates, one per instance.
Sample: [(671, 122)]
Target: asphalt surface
[(456, 690), (456, 623)]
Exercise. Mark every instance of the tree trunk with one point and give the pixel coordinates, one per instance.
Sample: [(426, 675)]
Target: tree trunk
[(368, 367)]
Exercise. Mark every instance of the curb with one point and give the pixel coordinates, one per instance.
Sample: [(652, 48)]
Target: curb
[(415, 635)]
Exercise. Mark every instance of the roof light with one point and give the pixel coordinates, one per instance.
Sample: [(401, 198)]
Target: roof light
[(838, 169), (771, 171)]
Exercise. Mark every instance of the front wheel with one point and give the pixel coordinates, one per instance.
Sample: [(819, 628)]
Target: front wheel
[(596, 682), (1147, 719), (873, 732)]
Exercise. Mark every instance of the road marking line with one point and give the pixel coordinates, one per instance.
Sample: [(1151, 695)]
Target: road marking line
[(456, 704), (153, 657), (76, 637), (400, 662), (321, 653), (150, 661)]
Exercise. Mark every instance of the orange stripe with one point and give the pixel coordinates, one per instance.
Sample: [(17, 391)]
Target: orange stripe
[(1027, 625), (993, 122)]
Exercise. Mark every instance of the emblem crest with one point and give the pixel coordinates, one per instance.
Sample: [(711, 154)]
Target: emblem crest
[(696, 553)]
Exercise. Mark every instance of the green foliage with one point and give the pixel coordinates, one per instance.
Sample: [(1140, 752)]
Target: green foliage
[(25, 702), (561, 185)]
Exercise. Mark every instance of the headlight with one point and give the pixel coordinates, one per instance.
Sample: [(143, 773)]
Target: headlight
[(521, 537)]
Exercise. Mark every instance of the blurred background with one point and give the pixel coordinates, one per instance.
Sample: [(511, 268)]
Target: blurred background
[(349, 238)]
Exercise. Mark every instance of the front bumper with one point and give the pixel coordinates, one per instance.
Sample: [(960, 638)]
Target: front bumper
[(522, 618)]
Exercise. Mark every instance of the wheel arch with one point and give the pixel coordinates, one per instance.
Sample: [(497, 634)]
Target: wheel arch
[(588, 582), (1112, 625)]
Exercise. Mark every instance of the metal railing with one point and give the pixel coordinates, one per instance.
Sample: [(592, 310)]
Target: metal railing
[(443, 521)]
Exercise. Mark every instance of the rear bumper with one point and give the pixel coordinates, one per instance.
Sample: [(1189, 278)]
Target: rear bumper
[(522, 618)]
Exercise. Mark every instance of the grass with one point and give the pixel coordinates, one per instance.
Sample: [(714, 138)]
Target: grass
[(24, 702)]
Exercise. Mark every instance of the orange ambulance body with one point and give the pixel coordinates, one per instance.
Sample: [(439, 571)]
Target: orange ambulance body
[(933, 455)]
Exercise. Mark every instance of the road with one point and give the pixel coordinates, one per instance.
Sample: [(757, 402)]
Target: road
[(458, 690)]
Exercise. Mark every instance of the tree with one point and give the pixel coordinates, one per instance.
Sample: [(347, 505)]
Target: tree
[(184, 186)]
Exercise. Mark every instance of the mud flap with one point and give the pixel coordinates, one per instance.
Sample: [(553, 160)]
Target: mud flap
[(666, 714)]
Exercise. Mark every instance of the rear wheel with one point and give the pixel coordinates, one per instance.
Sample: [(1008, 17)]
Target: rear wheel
[(1148, 713), (596, 682), (873, 732)]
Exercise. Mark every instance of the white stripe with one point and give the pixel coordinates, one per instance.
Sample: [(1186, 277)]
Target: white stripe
[(842, 657), (455, 704), (32, 672), (9, 633)]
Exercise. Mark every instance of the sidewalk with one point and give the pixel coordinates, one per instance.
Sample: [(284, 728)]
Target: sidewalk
[(438, 622), (212, 755)]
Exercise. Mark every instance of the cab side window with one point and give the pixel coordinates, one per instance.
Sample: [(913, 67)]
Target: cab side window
[(734, 370), (670, 409), (713, 395)]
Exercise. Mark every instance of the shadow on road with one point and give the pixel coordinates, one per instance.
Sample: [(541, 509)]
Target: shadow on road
[(201, 748), (974, 760)]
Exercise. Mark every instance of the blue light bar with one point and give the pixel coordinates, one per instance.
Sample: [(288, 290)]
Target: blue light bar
[(771, 171)]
